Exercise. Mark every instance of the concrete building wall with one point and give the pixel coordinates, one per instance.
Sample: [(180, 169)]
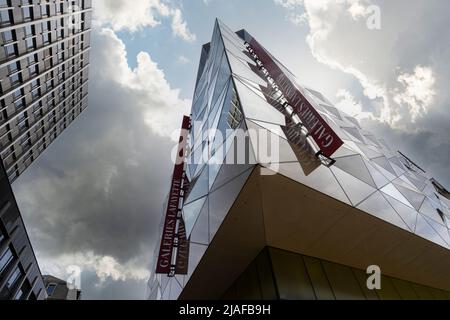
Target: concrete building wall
[(20, 276), (44, 61)]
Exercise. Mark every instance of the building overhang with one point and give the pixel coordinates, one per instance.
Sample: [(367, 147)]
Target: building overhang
[(273, 210)]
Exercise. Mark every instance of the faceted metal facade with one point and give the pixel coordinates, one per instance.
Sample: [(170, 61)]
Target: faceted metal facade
[(279, 274), (44, 60), (367, 174), (20, 277)]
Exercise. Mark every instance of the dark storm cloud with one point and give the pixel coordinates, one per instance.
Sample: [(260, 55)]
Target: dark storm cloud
[(99, 189), (111, 290)]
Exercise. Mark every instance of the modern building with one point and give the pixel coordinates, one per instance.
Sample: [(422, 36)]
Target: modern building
[(20, 276), (44, 60), (308, 217), (58, 289)]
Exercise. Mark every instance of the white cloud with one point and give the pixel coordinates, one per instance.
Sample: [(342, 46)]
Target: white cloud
[(138, 14), (381, 60), (349, 105), (179, 26), (105, 267), (147, 84), (294, 6), (183, 60), (357, 10), (418, 93)]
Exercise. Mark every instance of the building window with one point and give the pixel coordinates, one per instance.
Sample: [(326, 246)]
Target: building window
[(33, 70), (29, 44), (20, 295), (29, 31), (34, 84), (45, 10), (18, 104), (24, 142), (14, 79), (5, 17), (27, 13), (13, 67), (8, 36), (13, 279), (21, 117), (23, 127), (51, 289), (46, 38), (8, 151), (17, 94), (45, 26), (10, 50), (37, 106), (235, 115), (5, 260), (32, 59), (49, 85), (35, 95)]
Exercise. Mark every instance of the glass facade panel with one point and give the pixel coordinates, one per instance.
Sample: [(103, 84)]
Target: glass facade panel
[(361, 277), (355, 166), (424, 229), (378, 206), (196, 252), (265, 276), (222, 199), (291, 276), (388, 290), (416, 199), (200, 232), (255, 107), (191, 212), (408, 215), (343, 281), (355, 189), (247, 286), (319, 279), (199, 186), (405, 290)]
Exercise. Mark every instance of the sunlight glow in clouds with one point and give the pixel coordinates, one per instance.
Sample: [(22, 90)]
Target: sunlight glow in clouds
[(104, 266), (339, 37), (418, 92), (349, 105), (138, 14)]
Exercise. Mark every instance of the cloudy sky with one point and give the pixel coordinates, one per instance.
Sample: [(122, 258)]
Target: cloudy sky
[(94, 198)]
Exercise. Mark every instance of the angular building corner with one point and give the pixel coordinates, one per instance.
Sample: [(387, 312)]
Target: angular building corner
[(44, 61), (304, 222), (20, 276)]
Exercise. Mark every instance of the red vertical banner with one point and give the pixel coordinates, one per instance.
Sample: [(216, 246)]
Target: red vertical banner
[(164, 263), (327, 140), (181, 265)]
